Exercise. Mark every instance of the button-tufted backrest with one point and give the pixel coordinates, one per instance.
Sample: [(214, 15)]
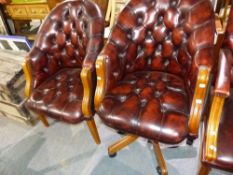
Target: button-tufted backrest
[(70, 35), (174, 36)]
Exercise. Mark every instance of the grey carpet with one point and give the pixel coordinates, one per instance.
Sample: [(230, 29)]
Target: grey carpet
[(65, 149)]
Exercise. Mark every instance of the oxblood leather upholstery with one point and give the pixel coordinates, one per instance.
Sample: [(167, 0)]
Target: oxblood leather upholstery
[(222, 87), (69, 39), (152, 58)]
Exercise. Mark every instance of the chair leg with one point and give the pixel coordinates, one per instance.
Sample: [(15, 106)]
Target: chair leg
[(204, 170), (94, 132), (162, 169), (43, 119), (126, 140)]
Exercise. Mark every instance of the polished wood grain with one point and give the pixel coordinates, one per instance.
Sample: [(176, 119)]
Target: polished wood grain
[(93, 130), (204, 170), (198, 100), (43, 119), (212, 128), (28, 89), (125, 141), (160, 159), (28, 78), (101, 80), (87, 94)]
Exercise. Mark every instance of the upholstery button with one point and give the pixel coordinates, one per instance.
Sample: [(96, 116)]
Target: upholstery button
[(157, 94), (58, 93), (59, 84), (71, 87), (122, 98), (137, 91), (160, 19), (143, 102), (158, 50), (173, 3), (139, 20), (165, 78), (45, 69), (151, 83), (73, 61)]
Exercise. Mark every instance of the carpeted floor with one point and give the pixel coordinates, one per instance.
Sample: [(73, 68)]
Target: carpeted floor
[(69, 150)]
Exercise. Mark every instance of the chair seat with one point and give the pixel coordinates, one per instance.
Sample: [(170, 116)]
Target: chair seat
[(225, 139), (151, 104), (59, 97)]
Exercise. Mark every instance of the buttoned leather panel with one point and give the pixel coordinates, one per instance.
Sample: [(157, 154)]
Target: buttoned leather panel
[(151, 104), (71, 33), (171, 36), (60, 96), (225, 139)]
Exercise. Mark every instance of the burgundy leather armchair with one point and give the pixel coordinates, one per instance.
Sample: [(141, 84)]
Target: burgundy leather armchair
[(153, 72), (218, 139), (60, 68)]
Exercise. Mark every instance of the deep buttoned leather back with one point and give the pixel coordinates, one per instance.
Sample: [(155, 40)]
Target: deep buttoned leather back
[(174, 36), (72, 32)]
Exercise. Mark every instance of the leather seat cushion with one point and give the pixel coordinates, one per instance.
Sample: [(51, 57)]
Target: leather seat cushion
[(60, 96), (225, 138), (151, 104)]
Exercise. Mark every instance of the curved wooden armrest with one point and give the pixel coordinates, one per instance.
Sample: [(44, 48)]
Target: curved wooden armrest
[(86, 77), (212, 128), (198, 100), (101, 80), (28, 77)]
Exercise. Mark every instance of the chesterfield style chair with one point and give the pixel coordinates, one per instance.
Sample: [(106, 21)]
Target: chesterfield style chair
[(218, 139), (153, 72), (60, 68)]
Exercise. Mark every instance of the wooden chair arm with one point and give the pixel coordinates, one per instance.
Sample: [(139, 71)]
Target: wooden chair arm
[(212, 128), (28, 77), (101, 80), (198, 100), (86, 77)]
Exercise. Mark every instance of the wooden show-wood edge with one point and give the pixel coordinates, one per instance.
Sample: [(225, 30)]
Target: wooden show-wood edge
[(101, 80), (198, 100), (212, 128), (28, 77), (87, 91)]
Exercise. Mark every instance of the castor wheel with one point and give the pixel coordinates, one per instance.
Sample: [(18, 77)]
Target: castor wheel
[(121, 132), (189, 141), (112, 155), (159, 171)]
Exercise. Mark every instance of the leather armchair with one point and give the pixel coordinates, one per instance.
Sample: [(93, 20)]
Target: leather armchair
[(60, 68), (218, 139), (153, 72)]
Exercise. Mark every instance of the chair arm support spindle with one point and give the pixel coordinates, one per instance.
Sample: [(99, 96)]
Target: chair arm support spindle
[(86, 77), (101, 80), (198, 100), (212, 127), (28, 77)]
